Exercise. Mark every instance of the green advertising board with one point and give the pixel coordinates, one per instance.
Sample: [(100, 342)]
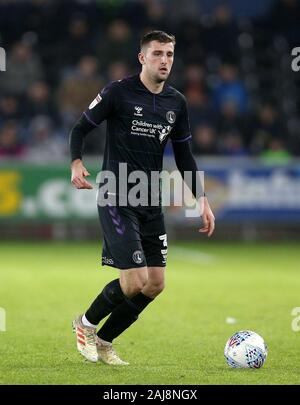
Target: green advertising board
[(38, 192)]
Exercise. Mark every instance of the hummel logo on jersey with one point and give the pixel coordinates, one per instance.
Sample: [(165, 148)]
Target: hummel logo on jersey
[(138, 111)]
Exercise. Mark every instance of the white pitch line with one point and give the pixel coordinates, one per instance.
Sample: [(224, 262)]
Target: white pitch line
[(191, 255)]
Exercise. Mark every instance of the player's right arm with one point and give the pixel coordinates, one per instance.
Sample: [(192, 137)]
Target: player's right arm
[(76, 141), (99, 110)]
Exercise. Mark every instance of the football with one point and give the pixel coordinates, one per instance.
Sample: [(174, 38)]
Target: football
[(246, 349)]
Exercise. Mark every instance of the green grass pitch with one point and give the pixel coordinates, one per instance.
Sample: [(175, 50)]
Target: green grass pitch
[(179, 339)]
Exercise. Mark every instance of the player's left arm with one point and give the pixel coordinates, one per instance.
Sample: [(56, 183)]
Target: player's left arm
[(180, 136), (185, 162)]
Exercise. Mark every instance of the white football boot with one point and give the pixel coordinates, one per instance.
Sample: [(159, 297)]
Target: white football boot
[(86, 340), (107, 353)]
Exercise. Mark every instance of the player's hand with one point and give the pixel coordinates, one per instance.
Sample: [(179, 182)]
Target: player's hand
[(208, 218), (79, 173)]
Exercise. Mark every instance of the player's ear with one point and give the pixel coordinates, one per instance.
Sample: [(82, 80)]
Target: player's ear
[(141, 57)]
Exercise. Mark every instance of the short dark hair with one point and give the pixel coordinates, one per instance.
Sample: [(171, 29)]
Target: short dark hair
[(159, 36)]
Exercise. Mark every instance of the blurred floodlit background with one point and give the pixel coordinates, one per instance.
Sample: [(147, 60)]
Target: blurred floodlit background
[(232, 62)]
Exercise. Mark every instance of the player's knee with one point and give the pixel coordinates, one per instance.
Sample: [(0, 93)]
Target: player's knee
[(153, 289), (135, 286), (158, 288)]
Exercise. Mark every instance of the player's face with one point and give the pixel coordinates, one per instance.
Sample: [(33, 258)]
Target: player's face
[(157, 59)]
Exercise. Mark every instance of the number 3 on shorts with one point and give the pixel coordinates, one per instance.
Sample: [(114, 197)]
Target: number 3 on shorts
[(164, 239)]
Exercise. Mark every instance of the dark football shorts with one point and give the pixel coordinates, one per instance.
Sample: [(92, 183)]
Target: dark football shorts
[(133, 237)]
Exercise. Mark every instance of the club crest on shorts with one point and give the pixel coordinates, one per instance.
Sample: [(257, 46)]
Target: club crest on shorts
[(171, 116), (137, 257), (95, 101)]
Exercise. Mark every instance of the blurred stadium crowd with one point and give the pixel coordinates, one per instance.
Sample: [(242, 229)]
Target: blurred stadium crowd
[(234, 71)]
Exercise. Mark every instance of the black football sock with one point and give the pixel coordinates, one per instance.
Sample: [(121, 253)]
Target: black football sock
[(110, 297), (123, 316)]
